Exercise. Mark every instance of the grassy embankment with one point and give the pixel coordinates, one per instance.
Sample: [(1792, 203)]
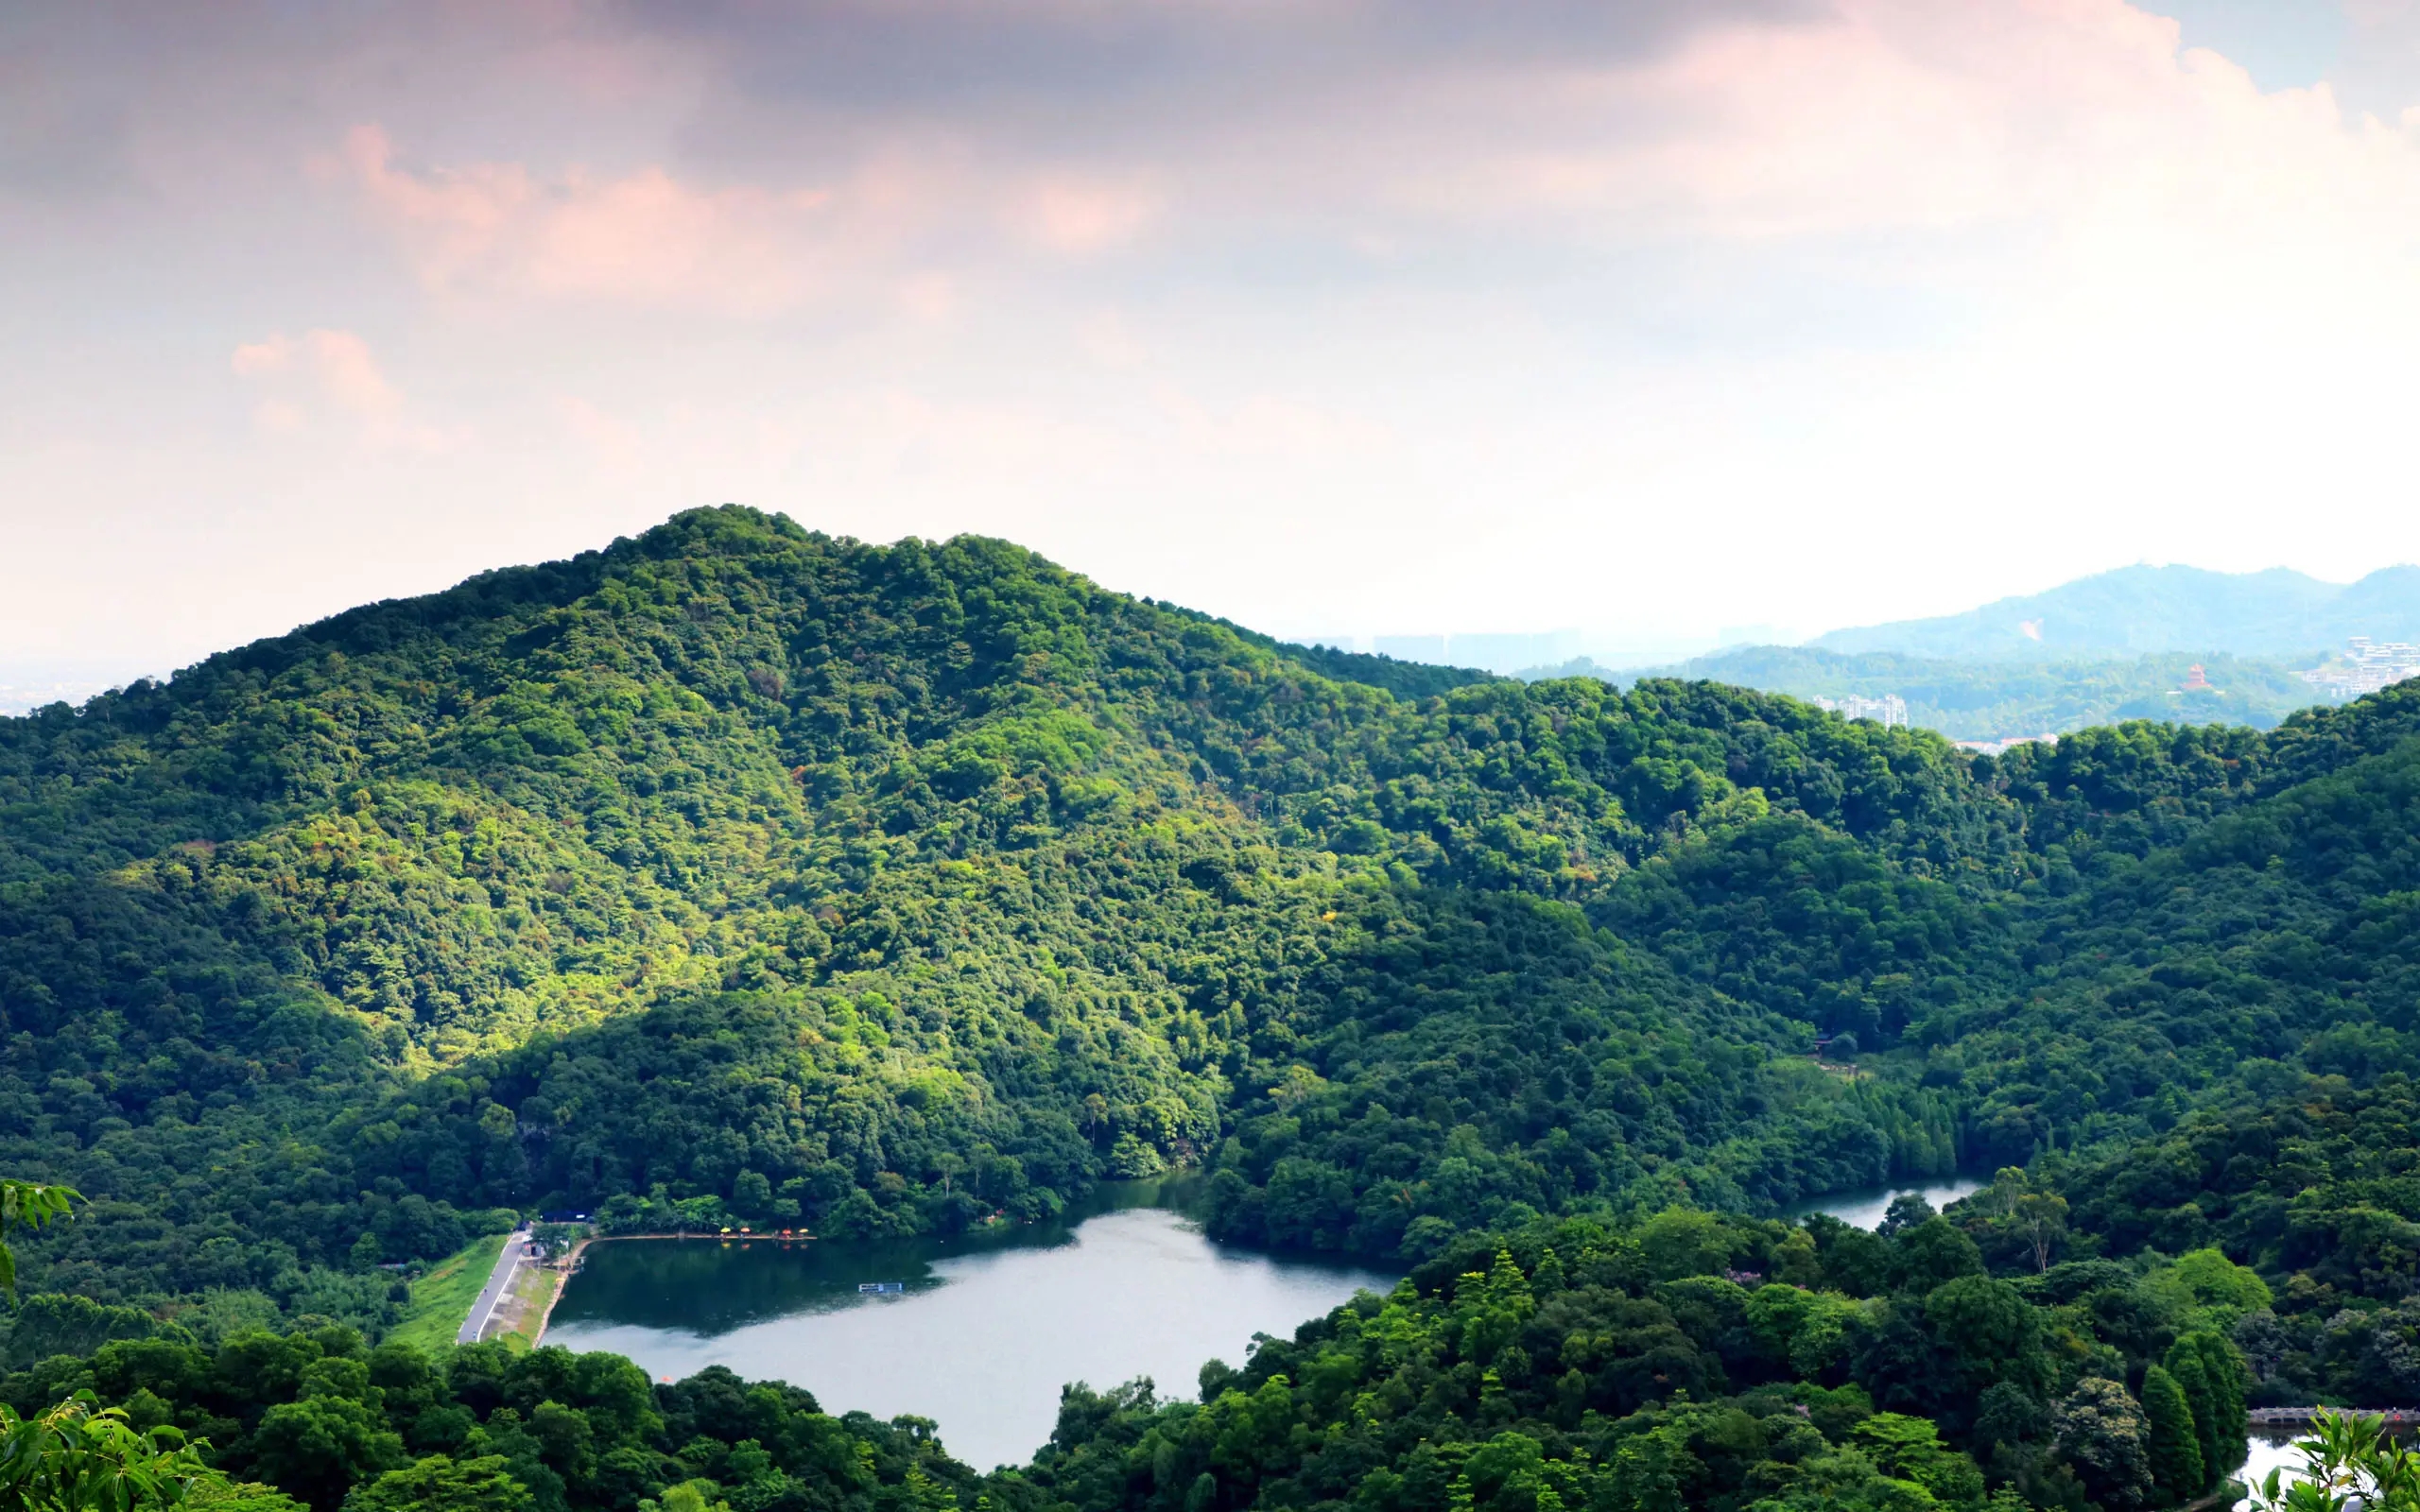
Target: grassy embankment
[(526, 1306), (441, 1298)]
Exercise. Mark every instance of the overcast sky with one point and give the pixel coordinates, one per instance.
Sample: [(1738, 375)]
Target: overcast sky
[(1637, 316)]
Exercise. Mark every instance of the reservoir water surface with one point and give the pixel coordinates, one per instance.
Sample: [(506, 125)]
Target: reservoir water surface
[(989, 1327), (987, 1330), (1866, 1207)]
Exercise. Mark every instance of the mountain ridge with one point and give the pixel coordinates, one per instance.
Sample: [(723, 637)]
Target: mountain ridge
[(996, 861), (1971, 701), (2133, 610), (741, 875)]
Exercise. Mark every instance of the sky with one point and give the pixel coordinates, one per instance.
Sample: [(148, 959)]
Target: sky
[(1334, 317)]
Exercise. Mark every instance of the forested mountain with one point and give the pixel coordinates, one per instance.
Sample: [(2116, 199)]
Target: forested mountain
[(938, 858), (2133, 610), (1994, 700), (739, 871)]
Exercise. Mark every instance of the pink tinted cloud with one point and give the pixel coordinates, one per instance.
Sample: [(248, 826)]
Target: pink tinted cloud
[(336, 364), (1081, 214), (330, 380), (2078, 126), (1890, 115), (650, 237), (643, 237)]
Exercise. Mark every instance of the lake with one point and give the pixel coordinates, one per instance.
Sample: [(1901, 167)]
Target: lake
[(1863, 1207), (988, 1326), (987, 1330)]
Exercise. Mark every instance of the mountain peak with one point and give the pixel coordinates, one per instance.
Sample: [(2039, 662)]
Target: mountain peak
[(2145, 608)]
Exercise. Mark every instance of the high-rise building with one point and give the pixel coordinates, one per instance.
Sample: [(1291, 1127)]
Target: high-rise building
[(2365, 667), (1886, 711)]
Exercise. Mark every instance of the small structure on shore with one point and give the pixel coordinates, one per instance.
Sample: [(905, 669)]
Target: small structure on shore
[(2276, 1417)]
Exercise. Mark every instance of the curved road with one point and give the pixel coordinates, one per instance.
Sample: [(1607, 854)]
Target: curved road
[(484, 1308)]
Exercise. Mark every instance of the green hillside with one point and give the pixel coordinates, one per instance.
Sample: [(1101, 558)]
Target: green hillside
[(1979, 699), (940, 858), (739, 872)]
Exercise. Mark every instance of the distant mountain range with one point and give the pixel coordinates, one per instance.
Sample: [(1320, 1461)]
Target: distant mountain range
[(2137, 610), (2117, 645), (1970, 698)]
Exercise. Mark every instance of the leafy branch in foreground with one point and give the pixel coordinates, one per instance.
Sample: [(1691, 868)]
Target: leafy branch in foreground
[(2348, 1462), (80, 1456), (28, 1204)]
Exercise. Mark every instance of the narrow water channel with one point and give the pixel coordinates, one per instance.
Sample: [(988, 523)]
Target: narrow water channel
[(984, 1335)]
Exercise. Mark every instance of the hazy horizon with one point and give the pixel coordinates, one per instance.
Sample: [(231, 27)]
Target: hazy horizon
[(32, 681)]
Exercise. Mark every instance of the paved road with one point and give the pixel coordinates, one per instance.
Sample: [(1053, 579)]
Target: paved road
[(484, 1308)]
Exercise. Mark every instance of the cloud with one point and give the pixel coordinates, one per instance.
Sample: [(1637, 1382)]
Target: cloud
[(1942, 146), (328, 379), (1894, 116), (1071, 215), (1946, 146), (1398, 307), (645, 237)]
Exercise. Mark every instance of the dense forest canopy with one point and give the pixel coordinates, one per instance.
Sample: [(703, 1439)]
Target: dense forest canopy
[(737, 873), (931, 858)]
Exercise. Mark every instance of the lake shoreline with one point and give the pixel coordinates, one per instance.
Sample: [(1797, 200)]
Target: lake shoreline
[(983, 1336)]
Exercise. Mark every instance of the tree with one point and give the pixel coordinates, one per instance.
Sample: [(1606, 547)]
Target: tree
[(1909, 1449), (1926, 1254), (2175, 1447), (2211, 1371), (1841, 1480), (28, 1205), (1682, 1242), (2101, 1433), (80, 1455), (2041, 1218), (437, 1484), (2017, 1210), (555, 1240), (1906, 1210), (238, 1496), (319, 1446), (1992, 1332)]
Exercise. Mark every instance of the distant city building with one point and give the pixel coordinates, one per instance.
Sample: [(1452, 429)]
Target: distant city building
[(1888, 710), (2365, 667)]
